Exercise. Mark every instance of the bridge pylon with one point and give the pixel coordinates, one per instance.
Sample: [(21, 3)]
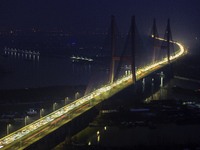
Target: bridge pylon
[(128, 58), (156, 46), (154, 31), (133, 48), (113, 48), (168, 37)]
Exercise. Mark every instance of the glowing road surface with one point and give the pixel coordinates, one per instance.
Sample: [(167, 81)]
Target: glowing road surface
[(38, 129)]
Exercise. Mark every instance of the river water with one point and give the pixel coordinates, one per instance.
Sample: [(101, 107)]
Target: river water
[(17, 72)]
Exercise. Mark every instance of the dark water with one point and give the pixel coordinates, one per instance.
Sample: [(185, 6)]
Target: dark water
[(17, 72)]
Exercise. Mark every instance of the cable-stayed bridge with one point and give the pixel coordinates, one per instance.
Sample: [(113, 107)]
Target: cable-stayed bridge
[(119, 78)]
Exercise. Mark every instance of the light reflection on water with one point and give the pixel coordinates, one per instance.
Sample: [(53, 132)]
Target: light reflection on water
[(48, 71)]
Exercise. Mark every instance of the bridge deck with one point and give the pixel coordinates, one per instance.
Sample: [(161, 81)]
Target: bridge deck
[(29, 134)]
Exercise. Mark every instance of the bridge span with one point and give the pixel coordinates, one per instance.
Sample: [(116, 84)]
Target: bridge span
[(35, 131)]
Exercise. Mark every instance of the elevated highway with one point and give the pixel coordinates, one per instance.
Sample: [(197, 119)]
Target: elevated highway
[(35, 131)]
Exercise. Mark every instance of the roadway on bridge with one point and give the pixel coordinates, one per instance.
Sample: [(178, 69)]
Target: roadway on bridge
[(29, 134)]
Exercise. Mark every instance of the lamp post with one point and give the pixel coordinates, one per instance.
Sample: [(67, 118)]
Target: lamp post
[(152, 88), (161, 84), (8, 128), (77, 95), (54, 106), (143, 84), (41, 112), (25, 120), (66, 99), (161, 79)]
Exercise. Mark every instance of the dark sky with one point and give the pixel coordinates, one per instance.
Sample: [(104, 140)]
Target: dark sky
[(84, 15)]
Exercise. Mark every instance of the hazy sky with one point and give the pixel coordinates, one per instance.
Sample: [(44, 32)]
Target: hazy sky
[(88, 15)]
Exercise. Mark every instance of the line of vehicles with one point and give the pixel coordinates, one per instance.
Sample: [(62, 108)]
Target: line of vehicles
[(56, 114), (13, 137)]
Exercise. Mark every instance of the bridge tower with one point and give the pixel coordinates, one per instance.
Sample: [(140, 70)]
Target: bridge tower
[(130, 58), (114, 58), (168, 38), (154, 31), (133, 48), (154, 34)]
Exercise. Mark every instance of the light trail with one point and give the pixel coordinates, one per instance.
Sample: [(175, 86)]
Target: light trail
[(48, 119)]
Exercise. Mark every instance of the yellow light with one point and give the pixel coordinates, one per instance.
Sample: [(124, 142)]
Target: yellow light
[(105, 128), (98, 138)]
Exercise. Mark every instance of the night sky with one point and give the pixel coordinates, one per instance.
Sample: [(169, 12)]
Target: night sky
[(94, 15)]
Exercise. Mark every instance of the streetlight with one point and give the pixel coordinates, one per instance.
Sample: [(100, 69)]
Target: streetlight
[(98, 136), (54, 106), (161, 83), (143, 84), (161, 78), (41, 112), (25, 120), (77, 95), (66, 99), (89, 143), (8, 127), (152, 88), (105, 128)]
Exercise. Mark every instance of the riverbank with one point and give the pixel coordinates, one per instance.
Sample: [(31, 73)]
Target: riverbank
[(40, 94)]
